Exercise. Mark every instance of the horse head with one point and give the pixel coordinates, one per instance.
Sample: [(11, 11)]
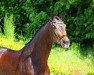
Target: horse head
[(58, 28)]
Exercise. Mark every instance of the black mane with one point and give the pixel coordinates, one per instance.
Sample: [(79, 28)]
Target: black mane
[(37, 31)]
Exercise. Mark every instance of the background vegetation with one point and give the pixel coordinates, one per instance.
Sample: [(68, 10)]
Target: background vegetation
[(20, 19)]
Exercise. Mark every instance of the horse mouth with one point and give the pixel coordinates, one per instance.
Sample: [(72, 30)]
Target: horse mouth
[(65, 45)]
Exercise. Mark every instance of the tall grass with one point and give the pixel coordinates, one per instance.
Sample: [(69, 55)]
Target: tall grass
[(10, 43), (70, 62), (9, 26)]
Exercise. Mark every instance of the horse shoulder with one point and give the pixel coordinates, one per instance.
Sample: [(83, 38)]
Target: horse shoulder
[(26, 67)]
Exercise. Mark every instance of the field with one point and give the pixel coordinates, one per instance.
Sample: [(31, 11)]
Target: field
[(70, 61)]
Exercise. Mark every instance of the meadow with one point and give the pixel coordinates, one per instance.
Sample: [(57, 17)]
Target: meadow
[(61, 61)]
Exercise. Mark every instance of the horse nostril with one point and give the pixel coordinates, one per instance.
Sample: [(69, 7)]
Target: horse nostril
[(66, 42)]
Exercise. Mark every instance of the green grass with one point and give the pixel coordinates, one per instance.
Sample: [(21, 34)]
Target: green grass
[(10, 43), (61, 61), (70, 62)]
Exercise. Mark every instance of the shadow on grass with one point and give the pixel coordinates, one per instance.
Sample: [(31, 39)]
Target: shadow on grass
[(86, 50)]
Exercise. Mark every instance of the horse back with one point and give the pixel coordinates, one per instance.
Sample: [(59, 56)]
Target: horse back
[(2, 50), (8, 54), (8, 59)]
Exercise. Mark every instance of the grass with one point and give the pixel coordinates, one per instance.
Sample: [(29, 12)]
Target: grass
[(9, 43), (70, 62), (61, 61)]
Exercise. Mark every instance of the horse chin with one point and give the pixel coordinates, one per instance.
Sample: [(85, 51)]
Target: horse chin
[(64, 46)]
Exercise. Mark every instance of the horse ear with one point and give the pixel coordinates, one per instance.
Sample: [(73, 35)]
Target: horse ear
[(62, 15), (53, 16)]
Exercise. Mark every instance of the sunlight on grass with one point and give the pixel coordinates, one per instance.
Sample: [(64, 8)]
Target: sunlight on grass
[(4, 42), (61, 61), (69, 62)]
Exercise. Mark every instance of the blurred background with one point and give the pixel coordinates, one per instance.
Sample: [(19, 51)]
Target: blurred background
[(21, 19)]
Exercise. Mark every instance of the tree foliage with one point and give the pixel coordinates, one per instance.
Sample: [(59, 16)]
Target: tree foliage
[(28, 16)]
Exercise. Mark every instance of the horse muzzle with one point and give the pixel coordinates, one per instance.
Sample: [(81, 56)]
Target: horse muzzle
[(65, 44)]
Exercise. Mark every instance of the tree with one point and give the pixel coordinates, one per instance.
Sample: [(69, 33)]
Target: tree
[(28, 16)]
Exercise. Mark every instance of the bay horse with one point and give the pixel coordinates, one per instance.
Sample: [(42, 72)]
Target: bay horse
[(32, 58)]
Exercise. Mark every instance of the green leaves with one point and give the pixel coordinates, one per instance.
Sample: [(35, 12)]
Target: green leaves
[(37, 21), (9, 26), (28, 16)]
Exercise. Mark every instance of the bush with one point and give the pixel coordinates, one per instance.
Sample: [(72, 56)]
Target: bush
[(31, 28), (30, 15), (9, 26)]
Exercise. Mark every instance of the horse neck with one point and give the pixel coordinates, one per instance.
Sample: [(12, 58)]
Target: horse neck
[(43, 44), (39, 48)]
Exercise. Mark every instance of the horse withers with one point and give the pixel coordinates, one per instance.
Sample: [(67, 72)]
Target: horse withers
[(32, 58)]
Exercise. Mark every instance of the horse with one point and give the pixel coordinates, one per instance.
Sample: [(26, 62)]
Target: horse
[(32, 58)]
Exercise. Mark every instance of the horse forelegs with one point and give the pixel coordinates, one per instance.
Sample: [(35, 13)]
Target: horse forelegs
[(47, 71)]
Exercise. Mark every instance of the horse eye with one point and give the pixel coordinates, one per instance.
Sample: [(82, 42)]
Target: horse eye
[(60, 27), (54, 27)]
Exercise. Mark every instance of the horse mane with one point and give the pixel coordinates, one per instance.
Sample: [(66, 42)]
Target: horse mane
[(40, 28), (33, 38), (37, 31)]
